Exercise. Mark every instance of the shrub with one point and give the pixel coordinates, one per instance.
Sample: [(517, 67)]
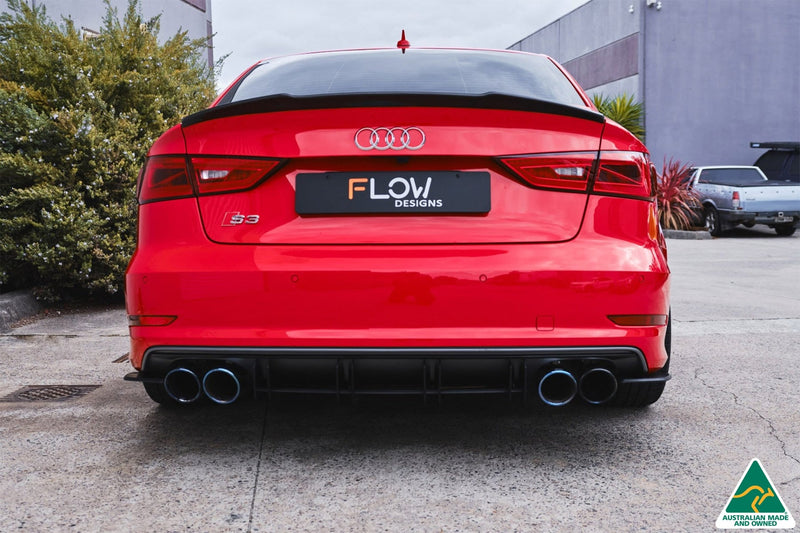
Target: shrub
[(76, 119), (623, 110), (677, 201)]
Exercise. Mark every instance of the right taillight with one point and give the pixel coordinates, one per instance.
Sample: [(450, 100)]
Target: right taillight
[(613, 174), (623, 174), (566, 172)]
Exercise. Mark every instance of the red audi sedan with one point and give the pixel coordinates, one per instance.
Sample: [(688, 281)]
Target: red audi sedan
[(419, 222)]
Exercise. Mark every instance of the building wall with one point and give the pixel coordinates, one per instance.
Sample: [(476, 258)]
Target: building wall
[(193, 16), (713, 75), (629, 85), (598, 43), (719, 74)]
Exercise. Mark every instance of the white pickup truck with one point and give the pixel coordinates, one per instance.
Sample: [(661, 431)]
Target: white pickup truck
[(733, 195)]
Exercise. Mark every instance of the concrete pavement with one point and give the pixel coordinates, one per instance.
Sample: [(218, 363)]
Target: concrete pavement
[(113, 461)]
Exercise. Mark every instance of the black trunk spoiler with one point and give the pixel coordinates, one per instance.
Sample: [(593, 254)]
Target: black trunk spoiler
[(283, 102)]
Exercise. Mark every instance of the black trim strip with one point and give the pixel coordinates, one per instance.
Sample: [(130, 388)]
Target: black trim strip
[(283, 102), (403, 353), (652, 379)]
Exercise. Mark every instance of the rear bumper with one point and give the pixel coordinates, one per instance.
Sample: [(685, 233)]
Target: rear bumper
[(499, 296), (761, 217)]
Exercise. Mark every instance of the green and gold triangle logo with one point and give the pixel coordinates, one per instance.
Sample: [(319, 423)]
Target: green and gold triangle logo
[(755, 503)]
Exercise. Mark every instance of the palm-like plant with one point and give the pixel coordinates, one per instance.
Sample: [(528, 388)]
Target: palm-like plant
[(677, 201), (624, 110)]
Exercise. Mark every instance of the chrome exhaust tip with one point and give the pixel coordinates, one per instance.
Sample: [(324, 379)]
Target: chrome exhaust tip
[(597, 386), (221, 386), (182, 385), (557, 387)]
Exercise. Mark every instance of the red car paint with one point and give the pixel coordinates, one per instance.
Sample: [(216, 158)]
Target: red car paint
[(543, 269)]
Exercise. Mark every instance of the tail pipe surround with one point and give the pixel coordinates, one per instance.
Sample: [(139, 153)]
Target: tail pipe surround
[(557, 387), (597, 386), (182, 385), (221, 386)]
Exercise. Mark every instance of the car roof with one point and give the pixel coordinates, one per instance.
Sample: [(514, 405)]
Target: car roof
[(397, 50)]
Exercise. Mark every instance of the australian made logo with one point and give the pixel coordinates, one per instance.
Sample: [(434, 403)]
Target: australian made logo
[(755, 503)]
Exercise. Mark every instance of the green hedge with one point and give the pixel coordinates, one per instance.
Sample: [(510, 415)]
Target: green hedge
[(77, 116)]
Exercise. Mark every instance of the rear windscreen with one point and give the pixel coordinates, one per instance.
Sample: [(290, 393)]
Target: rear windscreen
[(732, 176), (456, 72)]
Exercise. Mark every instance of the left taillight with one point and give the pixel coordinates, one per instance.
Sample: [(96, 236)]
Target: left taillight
[(170, 177), (736, 200), (164, 178), (222, 174)]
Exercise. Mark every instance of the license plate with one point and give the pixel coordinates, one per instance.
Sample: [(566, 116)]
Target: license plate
[(392, 192)]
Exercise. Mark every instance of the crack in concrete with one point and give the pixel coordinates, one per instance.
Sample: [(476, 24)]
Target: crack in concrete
[(772, 429), (258, 471), (23, 336), (763, 319)]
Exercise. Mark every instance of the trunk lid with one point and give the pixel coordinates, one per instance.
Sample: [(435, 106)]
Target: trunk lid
[(336, 162)]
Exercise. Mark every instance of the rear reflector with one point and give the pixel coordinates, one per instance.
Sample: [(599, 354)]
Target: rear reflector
[(639, 320), (218, 174), (164, 177), (151, 320), (617, 173)]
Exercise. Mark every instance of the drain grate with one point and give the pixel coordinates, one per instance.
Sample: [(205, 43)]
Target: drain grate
[(48, 393)]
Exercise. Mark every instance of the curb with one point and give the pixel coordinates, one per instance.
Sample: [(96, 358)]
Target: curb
[(15, 306), (689, 235)]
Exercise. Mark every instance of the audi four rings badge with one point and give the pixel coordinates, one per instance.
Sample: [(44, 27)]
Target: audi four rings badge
[(385, 138)]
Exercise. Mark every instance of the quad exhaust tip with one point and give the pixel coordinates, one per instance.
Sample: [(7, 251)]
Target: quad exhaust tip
[(557, 387), (221, 386), (182, 385), (597, 386)]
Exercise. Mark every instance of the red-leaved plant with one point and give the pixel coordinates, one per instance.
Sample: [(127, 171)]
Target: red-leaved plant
[(677, 201)]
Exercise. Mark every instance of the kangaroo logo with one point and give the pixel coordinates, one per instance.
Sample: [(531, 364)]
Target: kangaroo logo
[(759, 499)]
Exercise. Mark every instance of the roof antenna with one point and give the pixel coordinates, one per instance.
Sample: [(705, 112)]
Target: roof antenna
[(403, 43)]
